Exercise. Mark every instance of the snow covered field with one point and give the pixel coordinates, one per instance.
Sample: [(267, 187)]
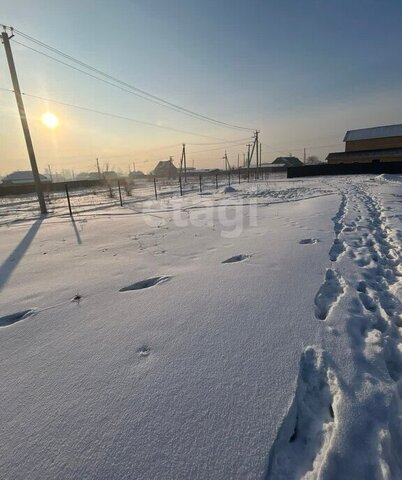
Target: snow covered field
[(245, 333)]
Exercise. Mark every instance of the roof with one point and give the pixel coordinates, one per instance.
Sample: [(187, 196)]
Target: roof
[(164, 162), (22, 175), (389, 152), (374, 132), (288, 161)]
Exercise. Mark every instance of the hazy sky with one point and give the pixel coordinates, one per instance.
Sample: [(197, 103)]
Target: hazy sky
[(301, 71)]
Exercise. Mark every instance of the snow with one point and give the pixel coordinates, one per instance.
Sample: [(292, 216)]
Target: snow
[(387, 177), (247, 334), (373, 132)]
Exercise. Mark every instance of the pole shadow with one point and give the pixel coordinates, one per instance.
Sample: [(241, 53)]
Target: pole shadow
[(77, 233), (11, 262)]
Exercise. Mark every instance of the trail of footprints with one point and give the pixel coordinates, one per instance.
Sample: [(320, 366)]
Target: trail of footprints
[(10, 319), (369, 242), (309, 425), (376, 252)]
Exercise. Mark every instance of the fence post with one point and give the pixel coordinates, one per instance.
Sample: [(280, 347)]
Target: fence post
[(181, 188), (156, 195), (200, 184), (229, 177), (248, 175), (216, 180), (121, 201), (68, 200), (239, 175)]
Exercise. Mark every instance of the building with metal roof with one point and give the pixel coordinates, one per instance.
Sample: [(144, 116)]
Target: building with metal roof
[(371, 145)]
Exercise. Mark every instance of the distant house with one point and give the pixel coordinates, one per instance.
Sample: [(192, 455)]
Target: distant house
[(165, 168), (371, 145), (87, 176), (137, 174), (110, 175), (22, 178), (287, 161)]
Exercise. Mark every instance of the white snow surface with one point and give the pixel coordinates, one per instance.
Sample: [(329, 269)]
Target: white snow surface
[(253, 334)]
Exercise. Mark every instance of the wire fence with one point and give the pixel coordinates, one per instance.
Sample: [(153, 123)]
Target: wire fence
[(72, 198)]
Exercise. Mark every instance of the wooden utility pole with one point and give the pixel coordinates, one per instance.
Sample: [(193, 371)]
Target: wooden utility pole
[(227, 164), (248, 162), (24, 121), (183, 162), (258, 149), (98, 167)]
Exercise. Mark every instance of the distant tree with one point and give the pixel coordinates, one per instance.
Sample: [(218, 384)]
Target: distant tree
[(312, 160)]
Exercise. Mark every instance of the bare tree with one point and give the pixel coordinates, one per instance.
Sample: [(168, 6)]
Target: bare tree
[(312, 160)]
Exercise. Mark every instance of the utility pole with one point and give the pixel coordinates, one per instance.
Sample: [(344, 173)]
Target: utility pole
[(24, 121), (238, 161), (170, 166), (50, 173), (227, 164), (183, 162), (248, 154), (134, 167), (99, 172), (256, 144)]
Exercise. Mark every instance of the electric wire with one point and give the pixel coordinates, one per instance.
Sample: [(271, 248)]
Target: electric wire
[(134, 90)]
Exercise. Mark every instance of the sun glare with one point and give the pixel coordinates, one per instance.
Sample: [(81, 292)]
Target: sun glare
[(50, 120)]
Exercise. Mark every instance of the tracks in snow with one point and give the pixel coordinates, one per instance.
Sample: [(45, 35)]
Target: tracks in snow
[(329, 293), (366, 251), (306, 432)]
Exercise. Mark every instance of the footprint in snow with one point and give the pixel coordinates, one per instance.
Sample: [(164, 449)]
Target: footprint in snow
[(328, 294), (7, 320), (144, 351), (236, 258), (149, 282), (309, 241)]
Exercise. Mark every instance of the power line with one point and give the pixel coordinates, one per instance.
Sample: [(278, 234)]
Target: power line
[(133, 90), (219, 148), (229, 143), (113, 115), (221, 143)]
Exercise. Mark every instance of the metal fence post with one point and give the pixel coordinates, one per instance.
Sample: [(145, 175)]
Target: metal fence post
[(68, 200), (121, 200), (156, 195)]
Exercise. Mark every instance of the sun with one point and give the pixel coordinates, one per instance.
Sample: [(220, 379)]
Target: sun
[(50, 120)]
